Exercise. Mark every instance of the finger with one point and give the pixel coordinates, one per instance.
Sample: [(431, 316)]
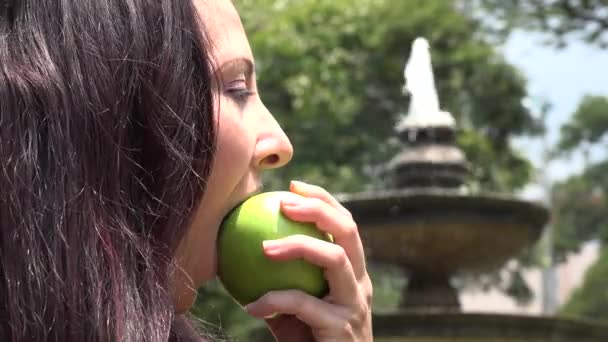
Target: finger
[(331, 257), (330, 220), (314, 191), (309, 190), (315, 312)]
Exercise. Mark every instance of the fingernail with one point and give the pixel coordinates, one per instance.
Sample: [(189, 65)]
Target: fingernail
[(271, 245), (250, 308), (271, 316)]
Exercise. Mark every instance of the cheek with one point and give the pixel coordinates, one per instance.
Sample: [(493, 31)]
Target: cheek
[(231, 165), (235, 141), (196, 253)]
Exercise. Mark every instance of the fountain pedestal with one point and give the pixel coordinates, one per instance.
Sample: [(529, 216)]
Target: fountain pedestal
[(430, 292)]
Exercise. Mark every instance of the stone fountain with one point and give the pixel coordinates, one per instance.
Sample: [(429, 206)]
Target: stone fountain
[(427, 222)]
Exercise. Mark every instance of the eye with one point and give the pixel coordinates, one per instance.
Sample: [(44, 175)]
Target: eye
[(238, 89)]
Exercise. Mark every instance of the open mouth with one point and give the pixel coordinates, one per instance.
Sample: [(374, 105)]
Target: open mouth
[(258, 190)]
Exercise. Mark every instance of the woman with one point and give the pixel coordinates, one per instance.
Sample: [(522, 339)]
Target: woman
[(129, 128)]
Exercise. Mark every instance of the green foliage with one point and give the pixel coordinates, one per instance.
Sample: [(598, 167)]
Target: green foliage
[(580, 205), (562, 18), (588, 125), (389, 283), (591, 299), (579, 201), (494, 171), (222, 316)]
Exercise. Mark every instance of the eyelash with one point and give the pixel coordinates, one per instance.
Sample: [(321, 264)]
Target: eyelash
[(240, 94)]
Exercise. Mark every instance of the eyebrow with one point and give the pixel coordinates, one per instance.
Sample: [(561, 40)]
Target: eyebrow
[(238, 65)]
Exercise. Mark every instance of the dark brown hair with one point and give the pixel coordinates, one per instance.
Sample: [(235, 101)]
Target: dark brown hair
[(106, 140)]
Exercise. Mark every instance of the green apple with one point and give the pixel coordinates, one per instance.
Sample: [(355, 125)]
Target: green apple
[(244, 270)]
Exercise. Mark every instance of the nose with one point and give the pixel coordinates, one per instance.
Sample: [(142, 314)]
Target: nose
[(273, 148)]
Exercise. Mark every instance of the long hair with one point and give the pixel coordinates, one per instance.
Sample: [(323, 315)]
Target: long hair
[(106, 140)]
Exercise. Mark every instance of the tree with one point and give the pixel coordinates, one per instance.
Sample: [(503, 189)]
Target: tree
[(587, 19), (581, 204), (591, 298), (579, 200), (332, 72), (588, 126)]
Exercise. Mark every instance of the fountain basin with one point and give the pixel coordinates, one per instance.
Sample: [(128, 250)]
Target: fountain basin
[(486, 327), (439, 231)]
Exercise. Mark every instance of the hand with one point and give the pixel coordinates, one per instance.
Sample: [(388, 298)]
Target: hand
[(345, 313)]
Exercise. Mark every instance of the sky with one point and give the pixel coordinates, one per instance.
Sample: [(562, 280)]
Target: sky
[(561, 77)]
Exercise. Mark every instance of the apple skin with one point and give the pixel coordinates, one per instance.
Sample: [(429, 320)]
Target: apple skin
[(243, 268)]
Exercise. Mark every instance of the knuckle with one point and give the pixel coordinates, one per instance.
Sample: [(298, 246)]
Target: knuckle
[(351, 326), (348, 214), (349, 331), (369, 294), (351, 229), (301, 302), (340, 259), (360, 314), (368, 298)]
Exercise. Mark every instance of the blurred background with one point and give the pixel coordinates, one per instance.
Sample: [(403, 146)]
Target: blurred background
[(527, 82)]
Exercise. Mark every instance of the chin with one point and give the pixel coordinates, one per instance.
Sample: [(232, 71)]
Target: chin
[(187, 297)]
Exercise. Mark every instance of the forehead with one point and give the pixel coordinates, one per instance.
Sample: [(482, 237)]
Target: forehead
[(225, 30)]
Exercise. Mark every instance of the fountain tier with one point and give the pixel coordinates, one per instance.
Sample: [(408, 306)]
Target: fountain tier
[(437, 231)]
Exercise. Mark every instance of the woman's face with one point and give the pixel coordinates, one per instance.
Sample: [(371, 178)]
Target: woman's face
[(249, 141)]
